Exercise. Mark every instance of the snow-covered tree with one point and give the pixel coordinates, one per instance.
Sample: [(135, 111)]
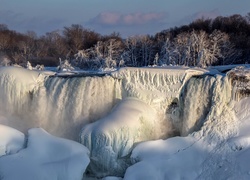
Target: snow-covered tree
[(4, 60), (131, 53), (29, 66), (165, 56), (65, 66), (197, 48), (156, 59), (39, 67), (113, 53), (146, 50), (222, 48)]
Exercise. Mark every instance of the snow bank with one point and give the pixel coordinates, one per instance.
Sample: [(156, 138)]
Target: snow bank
[(11, 140), (175, 158), (111, 139), (46, 157)]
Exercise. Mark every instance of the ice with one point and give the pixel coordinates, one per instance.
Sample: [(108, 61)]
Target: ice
[(204, 106), (219, 150), (11, 140), (17, 86), (72, 102), (45, 158), (111, 139), (159, 87), (61, 105)]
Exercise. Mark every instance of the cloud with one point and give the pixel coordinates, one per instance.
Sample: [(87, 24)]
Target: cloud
[(128, 24), (118, 19), (22, 23)]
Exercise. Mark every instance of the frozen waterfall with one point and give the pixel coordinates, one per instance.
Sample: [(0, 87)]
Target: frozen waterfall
[(111, 114), (61, 105)]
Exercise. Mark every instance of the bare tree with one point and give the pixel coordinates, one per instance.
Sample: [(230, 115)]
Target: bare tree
[(131, 53), (147, 51), (74, 36)]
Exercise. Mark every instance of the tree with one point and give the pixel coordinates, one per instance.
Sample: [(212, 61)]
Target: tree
[(74, 36), (147, 50), (131, 52), (156, 59)]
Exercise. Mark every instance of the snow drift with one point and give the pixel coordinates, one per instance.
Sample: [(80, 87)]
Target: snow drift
[(11, 140), (45, 158)]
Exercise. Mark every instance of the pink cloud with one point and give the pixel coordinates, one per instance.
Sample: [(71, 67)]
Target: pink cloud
[(114, 18), (107, 18)]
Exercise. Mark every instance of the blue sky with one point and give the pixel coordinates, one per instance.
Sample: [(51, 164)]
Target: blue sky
[(129, 17)]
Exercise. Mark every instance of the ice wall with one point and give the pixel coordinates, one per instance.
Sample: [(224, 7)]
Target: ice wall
[(16, 88), (109, 144), (212, 151), (61, 105), (158, 87), (66, 104), (195, 103)]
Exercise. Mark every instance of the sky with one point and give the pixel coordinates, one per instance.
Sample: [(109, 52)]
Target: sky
[(128, 17)]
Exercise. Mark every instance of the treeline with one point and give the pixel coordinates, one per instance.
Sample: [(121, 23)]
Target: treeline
[(204, 42)]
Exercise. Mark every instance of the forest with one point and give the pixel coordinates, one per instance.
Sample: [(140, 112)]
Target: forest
[(202, 43)]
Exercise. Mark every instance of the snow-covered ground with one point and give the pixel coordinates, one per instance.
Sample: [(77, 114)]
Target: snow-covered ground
[(11, 140), (45, 158), (162, 122)]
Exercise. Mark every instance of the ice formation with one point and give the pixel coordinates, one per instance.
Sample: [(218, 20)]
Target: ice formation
[(116, 110), (111, 139), (45, 158), (61, 105), (216, 150)]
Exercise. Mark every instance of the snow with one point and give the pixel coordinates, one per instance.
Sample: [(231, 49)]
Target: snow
[(111, 139), (46, 157), (61, 105), (219, 150), (126, 119), (11, 140)]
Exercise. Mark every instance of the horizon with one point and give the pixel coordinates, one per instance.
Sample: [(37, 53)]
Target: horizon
[(125, 17)]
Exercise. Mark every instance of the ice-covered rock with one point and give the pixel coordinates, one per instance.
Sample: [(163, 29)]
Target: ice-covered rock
[(46, 158), (111, 139), (11, 140)]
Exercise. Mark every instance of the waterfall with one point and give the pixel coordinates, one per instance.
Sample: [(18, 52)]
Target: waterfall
[(195, 103), (66, 104), (61, 105)]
